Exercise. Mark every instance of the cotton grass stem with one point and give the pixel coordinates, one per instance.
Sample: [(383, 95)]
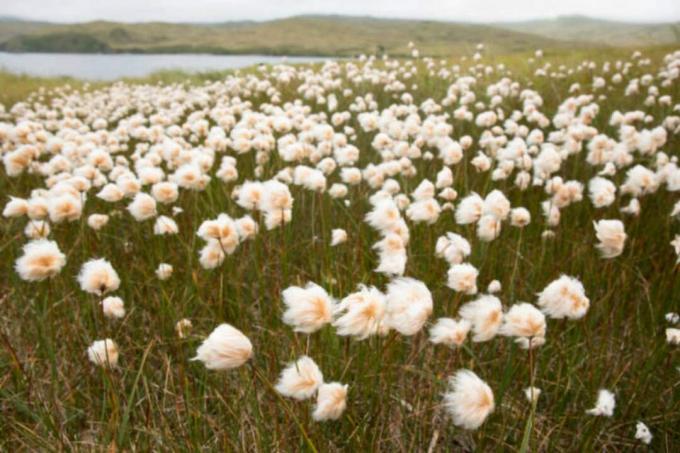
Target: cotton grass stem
[(528, 428), (285, 405)]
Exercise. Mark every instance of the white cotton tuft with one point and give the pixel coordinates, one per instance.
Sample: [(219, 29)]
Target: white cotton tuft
[(113, 307), (605, 404), (331, 401), (41, 259), (469, 400), (612, 237), (338, 236), (564, 298), (485, 314), (642, 433), (462, 278), (450, 332), (97, 276), (104, 353), (225, 348), (308, 309), (409, 305), (300, 379)]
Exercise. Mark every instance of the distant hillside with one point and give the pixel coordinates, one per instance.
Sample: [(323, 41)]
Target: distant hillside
[(304, 35), (582, 29), (329, 35)]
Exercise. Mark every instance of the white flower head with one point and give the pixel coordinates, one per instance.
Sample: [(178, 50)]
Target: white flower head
[(97, 276), (485, 314), (338, 236), (532, 394), (331, 401), (612, 237), (103, 353), (450, 332), (409, 305), (462, 278), (113, 307), (41, 259), (564, 298), (308, 309), (469, 400), (605, 404), (143, 207), (642, 433), (164, 271), (361, 314), (672, 335), (225, 348), (523, 320), (300, 379)]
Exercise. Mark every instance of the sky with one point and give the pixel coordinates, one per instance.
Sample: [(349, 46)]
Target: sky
[(233, 10)]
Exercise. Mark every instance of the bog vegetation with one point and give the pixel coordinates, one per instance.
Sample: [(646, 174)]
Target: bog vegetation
[(373, 254)]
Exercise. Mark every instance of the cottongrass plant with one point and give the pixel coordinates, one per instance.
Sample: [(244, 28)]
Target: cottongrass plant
[(425, 254)]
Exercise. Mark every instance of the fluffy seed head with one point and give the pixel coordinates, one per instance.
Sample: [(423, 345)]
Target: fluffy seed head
[(409, 304), (463, 278), (642, 433), (331, 401), (164, 271), (142, 207), (486, 316), (308, 309), (225, 348), (103, 353), (41, 259), (450, 332), (361, 314), (605, 404), (612, 237), (469, 400), (113, 307), (523, 320), (300, 379), (564, 298), (97, 276), (338, 236)]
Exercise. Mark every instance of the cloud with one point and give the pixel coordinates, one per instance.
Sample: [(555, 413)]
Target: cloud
[(231, 10)]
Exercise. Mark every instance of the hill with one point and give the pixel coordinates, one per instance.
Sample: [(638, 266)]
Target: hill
[(329, 35), (585, 29), (303, 35)]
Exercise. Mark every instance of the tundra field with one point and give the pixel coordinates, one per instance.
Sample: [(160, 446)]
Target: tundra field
[(414, 254)]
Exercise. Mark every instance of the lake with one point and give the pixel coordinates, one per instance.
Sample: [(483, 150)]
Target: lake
[(114, 66)]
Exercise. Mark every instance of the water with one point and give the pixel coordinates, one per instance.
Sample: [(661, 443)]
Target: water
[(115, 66)]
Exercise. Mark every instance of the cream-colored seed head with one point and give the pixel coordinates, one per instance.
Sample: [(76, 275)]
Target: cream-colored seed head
[(225, 348), (469, 400), (300, 379), (331, 401), (98, 276), (104, 353), (41, 259)]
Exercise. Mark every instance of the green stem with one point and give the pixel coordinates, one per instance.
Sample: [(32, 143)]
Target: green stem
[(269, 385)]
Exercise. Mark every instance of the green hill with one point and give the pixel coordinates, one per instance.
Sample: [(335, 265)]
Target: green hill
[(582, 29), (304, 35), (329, 35), (56, 42)]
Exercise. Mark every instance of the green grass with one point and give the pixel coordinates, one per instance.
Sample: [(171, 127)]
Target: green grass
[(20, 87), (51, 398)]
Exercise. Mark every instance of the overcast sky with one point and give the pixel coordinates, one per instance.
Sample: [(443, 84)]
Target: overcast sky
[(230, 10)]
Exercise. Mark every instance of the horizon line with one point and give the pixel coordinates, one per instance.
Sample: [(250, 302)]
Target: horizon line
[(9, 17)]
